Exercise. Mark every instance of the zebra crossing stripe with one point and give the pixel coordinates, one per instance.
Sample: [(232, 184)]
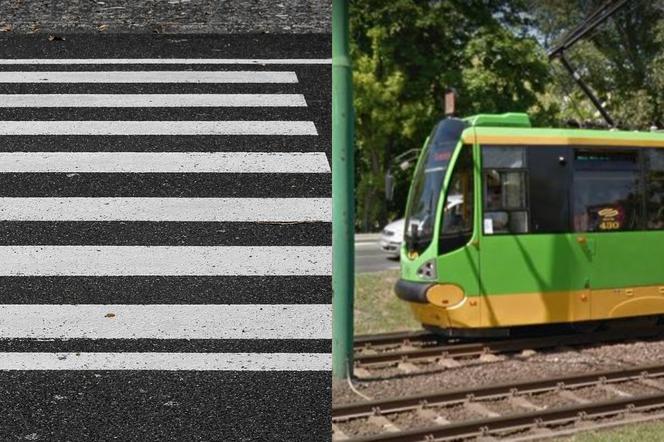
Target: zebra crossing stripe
[(151, 100), (164, 260), (167, 209), (166, 361), (164, 162), (157, 128), (147, 76), (166, 321), (201, 61)]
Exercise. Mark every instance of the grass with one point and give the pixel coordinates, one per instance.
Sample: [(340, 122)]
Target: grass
[(648, 432), (377, 309)]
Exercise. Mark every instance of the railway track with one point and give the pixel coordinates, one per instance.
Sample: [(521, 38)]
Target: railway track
[(381, 351), (533, 409)]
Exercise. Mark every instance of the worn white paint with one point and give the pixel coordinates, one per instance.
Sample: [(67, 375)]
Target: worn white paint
[(152, 100), (166, 321), (164, 260), (164, 162), (157, 128), (220, 61), (166, 209), (146, 76), (167, 361)]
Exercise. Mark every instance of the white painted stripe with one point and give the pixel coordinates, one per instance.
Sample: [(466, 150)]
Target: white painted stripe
[(164, 260), (148, 77), (164, 162), (167, 209), (127, 321), (157, 128), (152, 100), (167, 361), (221, 61)]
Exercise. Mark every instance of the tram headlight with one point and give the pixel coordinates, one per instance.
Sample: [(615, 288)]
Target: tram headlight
[(428, 270)]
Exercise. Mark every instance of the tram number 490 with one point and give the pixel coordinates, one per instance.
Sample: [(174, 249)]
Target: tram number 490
[(610, 218), (609, 225)]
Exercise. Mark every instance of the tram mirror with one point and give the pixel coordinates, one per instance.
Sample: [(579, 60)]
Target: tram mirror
[(389, 186)]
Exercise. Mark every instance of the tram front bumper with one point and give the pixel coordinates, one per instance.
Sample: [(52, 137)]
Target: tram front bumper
[(439, 294), (411, 291), (439, 304)]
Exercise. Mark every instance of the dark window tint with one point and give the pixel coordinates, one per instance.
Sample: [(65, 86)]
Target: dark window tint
[(549, 171), (457, 228), (655, 189), (505, 190), (607, 191)]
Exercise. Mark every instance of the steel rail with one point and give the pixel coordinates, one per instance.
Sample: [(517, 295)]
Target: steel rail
[(397, 338), (464, 350), (525, 421), (452, 397)]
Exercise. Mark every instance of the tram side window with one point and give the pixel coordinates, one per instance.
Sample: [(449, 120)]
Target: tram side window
[(504, 174), (655, 189), (457, 228), (607, 191)]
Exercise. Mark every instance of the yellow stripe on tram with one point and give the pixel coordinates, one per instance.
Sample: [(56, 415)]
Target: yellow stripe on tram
[(553, 141)]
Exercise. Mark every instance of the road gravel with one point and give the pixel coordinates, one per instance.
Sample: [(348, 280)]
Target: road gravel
[(513, 368)]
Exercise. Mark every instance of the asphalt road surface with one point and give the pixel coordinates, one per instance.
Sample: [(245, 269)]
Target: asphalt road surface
[(166, 16), (369, 257), (165, 237)]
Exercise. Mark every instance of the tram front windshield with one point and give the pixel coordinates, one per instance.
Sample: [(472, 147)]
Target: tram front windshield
[(428, 182)]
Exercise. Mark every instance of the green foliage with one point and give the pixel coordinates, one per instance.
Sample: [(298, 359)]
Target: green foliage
[(502, 72), (621, 60)]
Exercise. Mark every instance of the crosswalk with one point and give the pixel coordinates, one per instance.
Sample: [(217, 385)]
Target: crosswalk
[(96, 198), (165, 233), (166, 209), (206, 321), (126, 128), (122, 77), (152, 100), (163, 261)]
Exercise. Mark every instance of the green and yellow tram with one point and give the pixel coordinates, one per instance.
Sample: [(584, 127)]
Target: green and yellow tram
[(509, 225)]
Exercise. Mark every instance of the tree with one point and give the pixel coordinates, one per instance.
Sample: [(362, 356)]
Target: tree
[(490, 81), (620, 60)]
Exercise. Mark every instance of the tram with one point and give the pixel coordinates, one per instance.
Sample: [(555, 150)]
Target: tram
[(509, 225)]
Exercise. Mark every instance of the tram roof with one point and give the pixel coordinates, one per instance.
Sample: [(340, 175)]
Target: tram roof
[(532, 137)]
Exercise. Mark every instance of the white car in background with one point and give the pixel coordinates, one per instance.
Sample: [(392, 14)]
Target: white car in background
[(391, 238), (392, 235)]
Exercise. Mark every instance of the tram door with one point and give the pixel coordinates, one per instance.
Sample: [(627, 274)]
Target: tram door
[(458, 261), (615, 224), (532, 270)]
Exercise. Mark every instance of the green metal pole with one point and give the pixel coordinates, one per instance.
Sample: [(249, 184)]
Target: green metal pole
[(343, 184)]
